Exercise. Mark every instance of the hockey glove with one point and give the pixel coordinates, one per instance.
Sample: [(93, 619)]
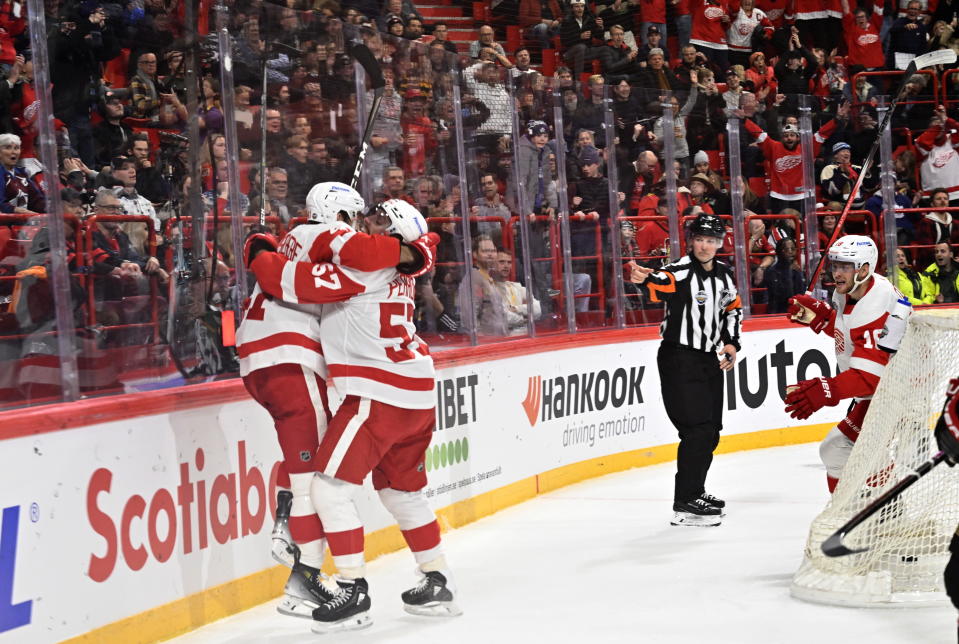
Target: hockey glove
[(809, 396), (947, 429), (424, 255), (257, 243), (807, 310)]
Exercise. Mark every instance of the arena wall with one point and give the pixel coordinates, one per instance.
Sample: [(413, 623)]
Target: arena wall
[(136, 518)]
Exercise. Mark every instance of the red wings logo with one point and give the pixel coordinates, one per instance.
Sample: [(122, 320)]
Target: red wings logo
[(714, 13), (840, 341), (774, 14), (784, 164), (941, 159), (746, 29), (867, 39)]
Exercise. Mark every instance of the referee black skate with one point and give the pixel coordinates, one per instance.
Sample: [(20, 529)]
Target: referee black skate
[(703, 319)]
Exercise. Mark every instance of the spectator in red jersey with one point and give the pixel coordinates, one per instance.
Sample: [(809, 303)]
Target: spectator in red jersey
[(762, 76), (863, 42), (785, 159), (710, 20)]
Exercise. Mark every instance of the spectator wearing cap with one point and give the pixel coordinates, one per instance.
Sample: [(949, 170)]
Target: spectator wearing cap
[(589, 198), (111, 135), (734, 88), (710, 20), (533, 169), (700, 193), (838, 178), (653, 14), (541, 20), (581, 36), (419, 137), (785, 159), (654, 40), (701, 167), (395, 26)]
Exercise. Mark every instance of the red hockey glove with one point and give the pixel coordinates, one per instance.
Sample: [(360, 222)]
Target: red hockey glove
[(804, 309), (424, 253), (256, 243), (947, 429), (809, 396)]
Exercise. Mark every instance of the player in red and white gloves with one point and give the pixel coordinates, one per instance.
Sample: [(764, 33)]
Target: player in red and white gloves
[(282, 366), (384, 425), (947, 437), (868, 319)]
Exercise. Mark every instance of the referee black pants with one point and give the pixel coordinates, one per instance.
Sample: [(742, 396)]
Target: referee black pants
[(692, 387)]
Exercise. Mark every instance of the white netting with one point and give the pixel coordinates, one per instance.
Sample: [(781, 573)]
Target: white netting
[(908, 540)]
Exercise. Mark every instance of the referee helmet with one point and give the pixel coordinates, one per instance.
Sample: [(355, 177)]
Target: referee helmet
[(708, 225)]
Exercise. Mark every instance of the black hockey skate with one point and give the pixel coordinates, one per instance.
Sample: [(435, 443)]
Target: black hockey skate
[(284, 551), (304, 592), (432, 597), (715, 502), (696, 513), (348, 610)]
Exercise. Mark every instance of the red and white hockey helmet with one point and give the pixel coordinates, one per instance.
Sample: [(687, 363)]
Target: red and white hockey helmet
[(327, 200), (405, 220), (856, 250)]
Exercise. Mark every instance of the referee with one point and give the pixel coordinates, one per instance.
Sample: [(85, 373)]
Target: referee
[(703, 318)]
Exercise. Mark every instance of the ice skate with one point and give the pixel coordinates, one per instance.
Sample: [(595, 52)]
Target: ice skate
[(347, 610), (696, 513), (304, 592), (284, 551), (715, 502), (433, 596)]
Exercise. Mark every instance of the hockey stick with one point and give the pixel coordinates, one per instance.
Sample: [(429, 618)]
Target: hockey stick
[(367, 61), (938, 57), (833, 546)]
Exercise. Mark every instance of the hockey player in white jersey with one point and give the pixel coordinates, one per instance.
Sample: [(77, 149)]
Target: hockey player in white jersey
[(868, 320), (282, 366), (384, 425)]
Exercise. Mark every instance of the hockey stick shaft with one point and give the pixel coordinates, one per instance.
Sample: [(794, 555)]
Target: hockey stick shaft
[(367, 134), (371, 66), (833, 546), (938, 57), (262, 151)]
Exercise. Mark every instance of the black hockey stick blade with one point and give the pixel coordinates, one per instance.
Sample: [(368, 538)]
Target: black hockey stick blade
[(370, 65), (834, 547)]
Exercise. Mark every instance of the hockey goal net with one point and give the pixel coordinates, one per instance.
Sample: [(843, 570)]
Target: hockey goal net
[(908, 540)]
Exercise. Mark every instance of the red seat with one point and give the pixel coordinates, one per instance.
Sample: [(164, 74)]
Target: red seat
[(115, 70), (759, 309)]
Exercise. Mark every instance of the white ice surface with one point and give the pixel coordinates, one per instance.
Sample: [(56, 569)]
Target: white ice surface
[(599, 562)]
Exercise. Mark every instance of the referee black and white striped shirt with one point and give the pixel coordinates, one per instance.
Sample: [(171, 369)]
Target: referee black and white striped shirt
[(703, 309)]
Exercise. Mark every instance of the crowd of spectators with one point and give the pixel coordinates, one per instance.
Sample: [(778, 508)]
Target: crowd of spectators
[(607, 75)]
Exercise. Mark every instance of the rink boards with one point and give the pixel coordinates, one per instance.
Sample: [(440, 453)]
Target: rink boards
[(138, 517)]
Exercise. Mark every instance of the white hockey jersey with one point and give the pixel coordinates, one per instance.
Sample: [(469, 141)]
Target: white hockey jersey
[(275, 331), (366, 327), (867, 332)]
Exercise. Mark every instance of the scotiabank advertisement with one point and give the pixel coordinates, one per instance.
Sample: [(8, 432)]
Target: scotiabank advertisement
[(104, 522)]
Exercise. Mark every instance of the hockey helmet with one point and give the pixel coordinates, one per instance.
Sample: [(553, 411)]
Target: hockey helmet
[(708, 225), (856, 250), (405, 220), (327, 200)]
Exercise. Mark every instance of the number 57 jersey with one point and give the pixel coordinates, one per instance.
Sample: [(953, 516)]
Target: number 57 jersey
[(371, 346)]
